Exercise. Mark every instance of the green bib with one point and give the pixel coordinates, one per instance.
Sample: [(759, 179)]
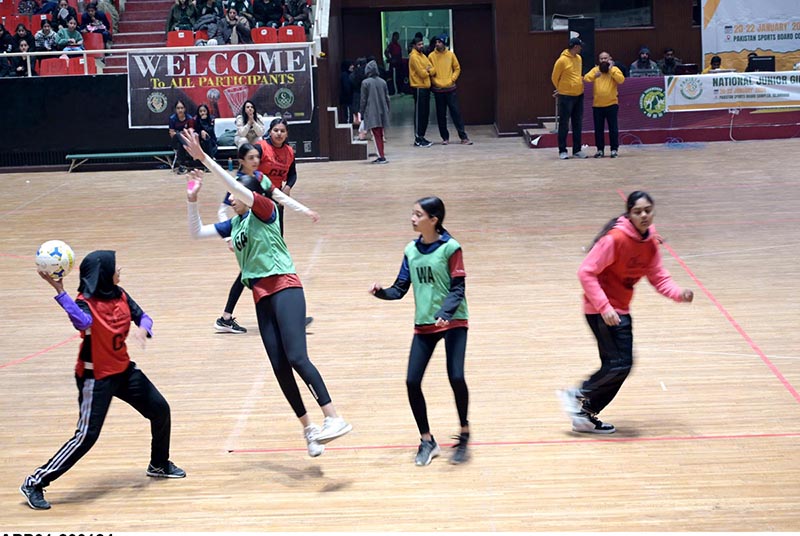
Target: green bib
[(259, 247), (430, 276)]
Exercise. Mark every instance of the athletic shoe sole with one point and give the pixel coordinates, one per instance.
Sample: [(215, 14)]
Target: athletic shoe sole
[(28, 499), (434, 454), (322, 440)]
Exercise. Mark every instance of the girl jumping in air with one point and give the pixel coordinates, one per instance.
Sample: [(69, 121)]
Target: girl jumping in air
[(624, 251), (434, 264)]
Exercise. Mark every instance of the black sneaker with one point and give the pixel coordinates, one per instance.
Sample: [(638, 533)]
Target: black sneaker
[(228, 326), (589, 424), (380, 160), (35, 496), (427, 451), (170, 471), (599, 154), (460, 453), (422, 143)]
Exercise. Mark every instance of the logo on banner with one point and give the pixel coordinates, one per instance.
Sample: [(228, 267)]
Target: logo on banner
[(691, 88), (157, 102), (653, 102), (284, 98)]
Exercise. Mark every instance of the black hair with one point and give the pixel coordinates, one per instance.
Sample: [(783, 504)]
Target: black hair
[(716, 59), (203, 105), (255, 110), (633, 197), (434, 207), (46, 21), (246, 148), (416, 40), (278, 121), (175, 106)]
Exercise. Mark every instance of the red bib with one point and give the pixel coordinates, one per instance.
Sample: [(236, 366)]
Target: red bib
[(275, 162), (111, 322)]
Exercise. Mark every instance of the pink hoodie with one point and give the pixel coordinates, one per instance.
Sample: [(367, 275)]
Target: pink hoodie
[(614, 265)]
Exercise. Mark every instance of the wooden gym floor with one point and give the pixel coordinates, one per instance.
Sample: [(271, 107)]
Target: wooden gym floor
[(707, 423)]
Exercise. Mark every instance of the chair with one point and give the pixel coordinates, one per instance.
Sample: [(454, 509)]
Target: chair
[(75, 65), (291, 34), (7, 7), (200, 34), (264, 34), (93, 41), (180, 38), (36, 22), (11, 21), (53, 67)]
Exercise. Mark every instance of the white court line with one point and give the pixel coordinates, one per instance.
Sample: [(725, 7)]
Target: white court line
[(737, 251), (32, 201), (709, 352), (256, 389)]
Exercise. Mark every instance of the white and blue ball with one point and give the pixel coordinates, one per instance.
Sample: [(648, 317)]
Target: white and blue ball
[(55, 258)]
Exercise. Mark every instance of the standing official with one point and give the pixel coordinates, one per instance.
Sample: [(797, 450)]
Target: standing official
[(446, 71), (420, 71), (605, 104), (567, 78)]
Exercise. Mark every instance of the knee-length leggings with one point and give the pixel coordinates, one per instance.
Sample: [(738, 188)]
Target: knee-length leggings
[(281, 322), (422, 346)]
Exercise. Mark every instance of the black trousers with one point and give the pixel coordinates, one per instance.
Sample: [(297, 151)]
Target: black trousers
[(422, 347), (448, 101), (282, 324), (603, 115), (94, 399), (615, 344), (422, 111), (233, 295), (570, 110)]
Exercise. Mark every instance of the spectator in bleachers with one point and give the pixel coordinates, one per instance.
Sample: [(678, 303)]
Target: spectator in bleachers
[(644, 63), (6, 40), (268, 12), (27, 7), (23, 34), (62, 15), (234, 29), (204, 126), (669, 62), (716, 63), (94, 21), (69, 38), (182, 16), (209, 7), (249, 125), (20, 63), (6, 69), (297, 14), (177, 122), (46, 39), (244, 8), (107, 7)]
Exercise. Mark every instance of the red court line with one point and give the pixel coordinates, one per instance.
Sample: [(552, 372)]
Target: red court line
[(770, 365), (40, 352), (594, 439)]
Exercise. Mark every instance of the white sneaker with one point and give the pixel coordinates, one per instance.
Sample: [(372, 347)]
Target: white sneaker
[(314, 447), (563, 156), (580, 154), (332, 428), (570, 401)]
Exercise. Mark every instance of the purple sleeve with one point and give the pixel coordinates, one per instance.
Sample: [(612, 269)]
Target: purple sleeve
[(79, 318), (147, 323)]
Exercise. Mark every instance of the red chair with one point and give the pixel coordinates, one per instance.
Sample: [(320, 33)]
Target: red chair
[(200, 34), (53, 67), (7, 7), (291, 34), (264, 34), (93, 41), (74, 3), (75, 65), (11, 21), (180, 38), (36, 22)]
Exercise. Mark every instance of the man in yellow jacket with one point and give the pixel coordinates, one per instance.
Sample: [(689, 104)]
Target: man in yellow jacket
[(446, 71), (420, 71), (567, 78), (605, 106)]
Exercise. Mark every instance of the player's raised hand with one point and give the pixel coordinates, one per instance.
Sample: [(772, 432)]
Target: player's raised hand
[(194, 185), (58, 286)]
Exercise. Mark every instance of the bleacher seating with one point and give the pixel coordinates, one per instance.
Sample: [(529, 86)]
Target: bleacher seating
[(54, 67), (180, 38), (291, 34), (264, 34), (76, 65)]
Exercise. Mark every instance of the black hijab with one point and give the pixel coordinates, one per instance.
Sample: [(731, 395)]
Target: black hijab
[(97, 276)]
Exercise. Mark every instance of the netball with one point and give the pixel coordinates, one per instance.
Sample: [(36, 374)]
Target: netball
[(55, 258)]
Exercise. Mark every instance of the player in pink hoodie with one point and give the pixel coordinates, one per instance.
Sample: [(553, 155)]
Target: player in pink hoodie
[(625, 251)]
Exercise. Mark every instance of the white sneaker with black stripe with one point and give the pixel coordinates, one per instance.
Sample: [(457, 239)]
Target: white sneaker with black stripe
[(228, 326)]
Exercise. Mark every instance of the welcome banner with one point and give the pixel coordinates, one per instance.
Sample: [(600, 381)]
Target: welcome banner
[(277, 78), (732, 90), (734, 28)]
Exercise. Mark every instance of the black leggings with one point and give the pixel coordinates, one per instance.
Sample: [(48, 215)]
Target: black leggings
[(234, 293), (422, 346), (281, 321), (615, 344)]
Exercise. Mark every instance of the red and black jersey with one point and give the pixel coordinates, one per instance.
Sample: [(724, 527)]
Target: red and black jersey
[(111, 322), (277, 164)]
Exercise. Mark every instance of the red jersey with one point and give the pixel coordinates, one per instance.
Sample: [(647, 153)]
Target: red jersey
[(111, 322), (275, 162)]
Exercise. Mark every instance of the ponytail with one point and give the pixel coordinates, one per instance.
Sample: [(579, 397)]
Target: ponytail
[(629, 203)]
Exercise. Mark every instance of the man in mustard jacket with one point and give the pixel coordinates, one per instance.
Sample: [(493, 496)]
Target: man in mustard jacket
[(567, 78), (605, 106), (446, 71), (420, 71)]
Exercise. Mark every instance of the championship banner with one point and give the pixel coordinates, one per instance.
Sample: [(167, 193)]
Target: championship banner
[(732, 90), (276, 77), (732, 29)]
